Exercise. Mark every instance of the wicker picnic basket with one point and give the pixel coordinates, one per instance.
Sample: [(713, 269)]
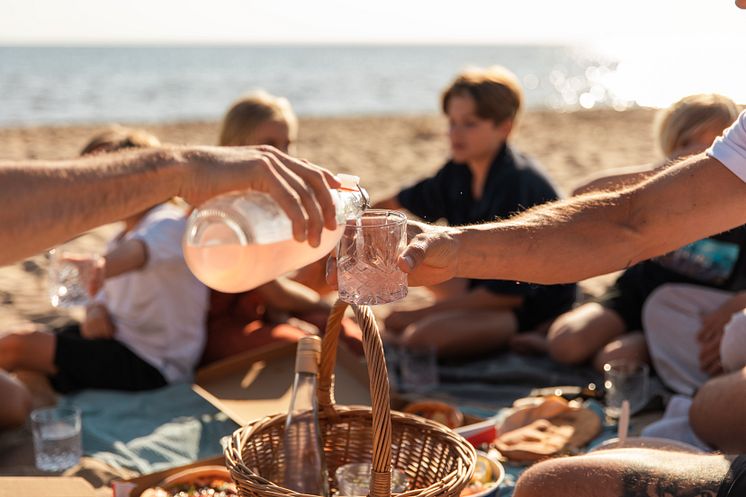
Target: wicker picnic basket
[(437, 461)]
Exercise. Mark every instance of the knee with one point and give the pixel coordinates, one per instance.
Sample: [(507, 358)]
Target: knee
[(17, 404), (12, 347), (565, 345), (716, 414)]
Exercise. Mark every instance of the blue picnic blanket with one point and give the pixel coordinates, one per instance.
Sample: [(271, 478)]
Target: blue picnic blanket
[(488, 387), (150, 431), (156, 430)]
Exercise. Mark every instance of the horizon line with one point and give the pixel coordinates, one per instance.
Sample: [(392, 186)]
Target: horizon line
[(275, 43)]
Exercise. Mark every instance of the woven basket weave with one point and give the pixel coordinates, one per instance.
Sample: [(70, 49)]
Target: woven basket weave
[(437, 461)]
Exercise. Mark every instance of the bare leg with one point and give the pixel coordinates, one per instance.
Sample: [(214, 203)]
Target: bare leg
[(462, 333), (29, 350), (578, 335), (628, 347), (719, 410), (16, 401), (625, 473)]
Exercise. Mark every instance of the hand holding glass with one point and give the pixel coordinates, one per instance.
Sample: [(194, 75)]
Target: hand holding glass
[(73, 277)]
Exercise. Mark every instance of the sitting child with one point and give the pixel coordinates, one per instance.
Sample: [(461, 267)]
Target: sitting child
[(485, 178), (611, 328), (283, 309), (145, 328)]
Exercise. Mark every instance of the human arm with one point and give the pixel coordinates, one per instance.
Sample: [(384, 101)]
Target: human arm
[(617, 178), (625, 472), (127, 256), (47, 202), (623, 177), (588, 235), (97, 323), (711, 333)]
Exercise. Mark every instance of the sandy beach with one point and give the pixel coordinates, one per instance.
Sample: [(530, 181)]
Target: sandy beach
[(387, 152)]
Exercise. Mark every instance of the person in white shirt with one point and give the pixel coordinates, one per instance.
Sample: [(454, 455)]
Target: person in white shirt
[(146, 326), (45, 202), (595, 234)]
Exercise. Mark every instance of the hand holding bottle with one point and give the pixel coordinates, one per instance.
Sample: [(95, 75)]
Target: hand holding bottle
[(238, 241), (300, 188)]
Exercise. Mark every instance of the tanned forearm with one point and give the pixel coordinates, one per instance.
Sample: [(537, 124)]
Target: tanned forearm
[(617, 179), (598, 233), (44, 203)]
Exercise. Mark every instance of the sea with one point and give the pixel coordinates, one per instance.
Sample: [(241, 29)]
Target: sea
[(42, 85)]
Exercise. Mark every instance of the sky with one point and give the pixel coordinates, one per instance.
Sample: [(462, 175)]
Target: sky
[(380, 21)]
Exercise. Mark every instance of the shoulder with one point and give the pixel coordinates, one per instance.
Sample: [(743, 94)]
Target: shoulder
[(451, 170), (528, 169)]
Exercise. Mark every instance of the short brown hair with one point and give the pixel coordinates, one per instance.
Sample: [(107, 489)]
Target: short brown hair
[(691, 115), (496, 91), (119, 138), (250, 111)]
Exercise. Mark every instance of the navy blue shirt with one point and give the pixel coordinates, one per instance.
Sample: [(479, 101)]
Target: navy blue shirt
[(514, 183)]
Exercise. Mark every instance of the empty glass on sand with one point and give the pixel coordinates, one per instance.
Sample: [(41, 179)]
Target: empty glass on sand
[(367, 258), (57, 442)]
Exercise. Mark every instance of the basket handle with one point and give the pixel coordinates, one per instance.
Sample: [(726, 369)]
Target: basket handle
[(380, 481)]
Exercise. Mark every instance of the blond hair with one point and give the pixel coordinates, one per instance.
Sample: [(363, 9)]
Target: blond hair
[(118, 138), (250, 111), (496, 91), (691, 115)]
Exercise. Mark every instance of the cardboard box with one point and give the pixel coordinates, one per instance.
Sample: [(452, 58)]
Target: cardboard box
[(258, 383), (45, 486)]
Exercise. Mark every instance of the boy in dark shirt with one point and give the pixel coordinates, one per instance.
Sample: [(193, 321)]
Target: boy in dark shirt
[(485, 179)]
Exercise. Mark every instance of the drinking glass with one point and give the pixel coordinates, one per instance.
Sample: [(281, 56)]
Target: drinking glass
[(353, 479), (367, 255), (625, 380), (70, 275), (57, 442), (418, 368)]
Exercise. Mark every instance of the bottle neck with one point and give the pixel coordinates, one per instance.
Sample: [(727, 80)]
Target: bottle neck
[(349, 204), (304, 393)]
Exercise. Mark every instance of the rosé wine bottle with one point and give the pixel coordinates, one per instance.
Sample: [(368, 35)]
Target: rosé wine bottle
[(238, 241)]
